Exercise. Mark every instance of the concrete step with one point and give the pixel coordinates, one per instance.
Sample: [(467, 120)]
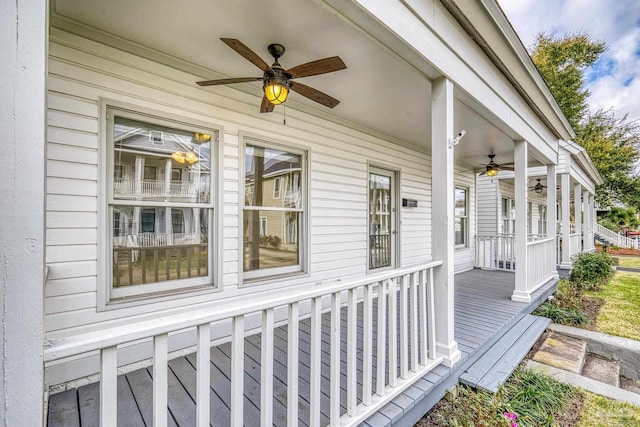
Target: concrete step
[(562, 352), (599, 369)]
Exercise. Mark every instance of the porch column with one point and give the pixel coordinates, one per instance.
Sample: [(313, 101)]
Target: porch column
[(592, 222), (23, 39), (521, 292), (551, 210), (167, 177), (565, 204), (577, 214), (139, 174), (442, 217), (586, 221)]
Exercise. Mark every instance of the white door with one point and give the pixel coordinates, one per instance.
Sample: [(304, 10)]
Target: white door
[(382, 218)]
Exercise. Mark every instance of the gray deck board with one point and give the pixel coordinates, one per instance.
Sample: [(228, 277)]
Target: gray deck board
[(483, 308)]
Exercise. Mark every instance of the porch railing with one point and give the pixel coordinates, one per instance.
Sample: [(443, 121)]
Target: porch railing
[(405, 304), (615, 238), (575, 244), (127, 187), (541, 257), (496, 252)]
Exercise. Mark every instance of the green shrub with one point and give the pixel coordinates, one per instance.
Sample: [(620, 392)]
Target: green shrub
[(567, 295), (591, 270), (561, 315)]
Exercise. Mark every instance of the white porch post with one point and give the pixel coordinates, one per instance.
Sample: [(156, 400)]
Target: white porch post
[(521, 292), (23, 41), (577, 213), (585, 222), (442, 179), (592, 222), (551, 209), (167, 177), (565, 204), (139, 174)]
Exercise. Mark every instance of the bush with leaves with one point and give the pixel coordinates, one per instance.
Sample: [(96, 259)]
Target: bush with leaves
[(591, 270)]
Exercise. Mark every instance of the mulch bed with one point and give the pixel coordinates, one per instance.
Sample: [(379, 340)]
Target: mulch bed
[(619, 251)]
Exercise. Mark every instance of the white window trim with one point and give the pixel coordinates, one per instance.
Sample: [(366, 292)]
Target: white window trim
[(160, 291), (466, 209), (266, 275)]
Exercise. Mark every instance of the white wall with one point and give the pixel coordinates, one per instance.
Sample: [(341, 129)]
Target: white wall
[(82, 72), (22, 115), (488, 205)]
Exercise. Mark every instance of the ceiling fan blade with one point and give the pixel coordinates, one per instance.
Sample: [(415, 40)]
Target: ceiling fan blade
[(266, 106), (320, 66), (506, 168), (482, 173), (507, 164), (247, 53), (314, 94), (228, 81)]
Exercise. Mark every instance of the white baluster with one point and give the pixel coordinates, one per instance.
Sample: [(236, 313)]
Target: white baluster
[(367, 344), (382, 338), (160, 382), (266, 369), (109, 387), (203, 362), (334, 393), (237, 371), (292, 365), (316, 359)]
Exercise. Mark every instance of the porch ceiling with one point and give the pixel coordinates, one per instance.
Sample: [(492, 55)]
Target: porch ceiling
[(191, 31)]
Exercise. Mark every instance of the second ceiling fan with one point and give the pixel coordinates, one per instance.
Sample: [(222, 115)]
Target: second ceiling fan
[(277, 81)]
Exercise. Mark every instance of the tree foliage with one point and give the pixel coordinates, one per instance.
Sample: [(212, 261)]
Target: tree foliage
[(620, 219), (562, 62), (612, 143)]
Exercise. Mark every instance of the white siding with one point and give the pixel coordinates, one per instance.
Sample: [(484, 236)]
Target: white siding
[(488, 205), (83, 72)]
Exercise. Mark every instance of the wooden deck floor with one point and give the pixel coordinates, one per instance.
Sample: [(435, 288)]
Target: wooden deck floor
[(483, 311)]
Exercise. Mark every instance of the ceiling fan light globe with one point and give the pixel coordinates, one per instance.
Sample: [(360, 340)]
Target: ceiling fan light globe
[(276, 91), (492, 172), (191, 157), (538, 189), (178, 157)]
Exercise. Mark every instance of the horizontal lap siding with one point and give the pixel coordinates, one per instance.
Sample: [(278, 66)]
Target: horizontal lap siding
[(465, 257), (338, 164), (488, 205)]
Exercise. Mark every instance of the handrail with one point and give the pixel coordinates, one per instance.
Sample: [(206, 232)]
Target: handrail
[(615, 238), (92, 341), (540, 241)]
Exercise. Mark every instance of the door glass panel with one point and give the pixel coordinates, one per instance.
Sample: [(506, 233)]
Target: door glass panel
[(380, 220)]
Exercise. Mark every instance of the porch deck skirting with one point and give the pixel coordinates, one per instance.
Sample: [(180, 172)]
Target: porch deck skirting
[(343, 353)]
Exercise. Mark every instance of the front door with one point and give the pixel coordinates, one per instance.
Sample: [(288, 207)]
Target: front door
[(382, 218)]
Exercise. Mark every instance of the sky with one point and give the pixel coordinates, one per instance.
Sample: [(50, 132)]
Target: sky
[(614, 81)]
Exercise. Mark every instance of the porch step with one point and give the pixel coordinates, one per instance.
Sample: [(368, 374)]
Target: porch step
[(496, 365)]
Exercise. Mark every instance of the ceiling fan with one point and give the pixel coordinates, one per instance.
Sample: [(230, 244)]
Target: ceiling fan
[(492, 168), (538, 188), (277, 81)]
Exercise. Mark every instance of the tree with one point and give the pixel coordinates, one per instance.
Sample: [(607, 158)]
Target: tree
[(620, 219), (611, 142), (562, 62)]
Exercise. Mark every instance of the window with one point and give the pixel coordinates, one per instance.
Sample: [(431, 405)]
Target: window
[(275, 249), (461, 224), (160, 234), (155, 137), (150, 173), (542, 220), (276, 187), (508, 216)]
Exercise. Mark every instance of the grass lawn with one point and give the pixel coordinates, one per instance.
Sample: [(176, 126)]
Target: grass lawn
[(621, 310), (536, 400), (599, 411), (633, 262)]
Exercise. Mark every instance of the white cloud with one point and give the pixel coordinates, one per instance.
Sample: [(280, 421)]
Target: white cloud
[(615, 81)]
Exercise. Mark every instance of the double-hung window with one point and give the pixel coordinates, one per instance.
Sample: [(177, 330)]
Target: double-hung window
[(272, 219), (160, 233), (461, 217), (542, 220)]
